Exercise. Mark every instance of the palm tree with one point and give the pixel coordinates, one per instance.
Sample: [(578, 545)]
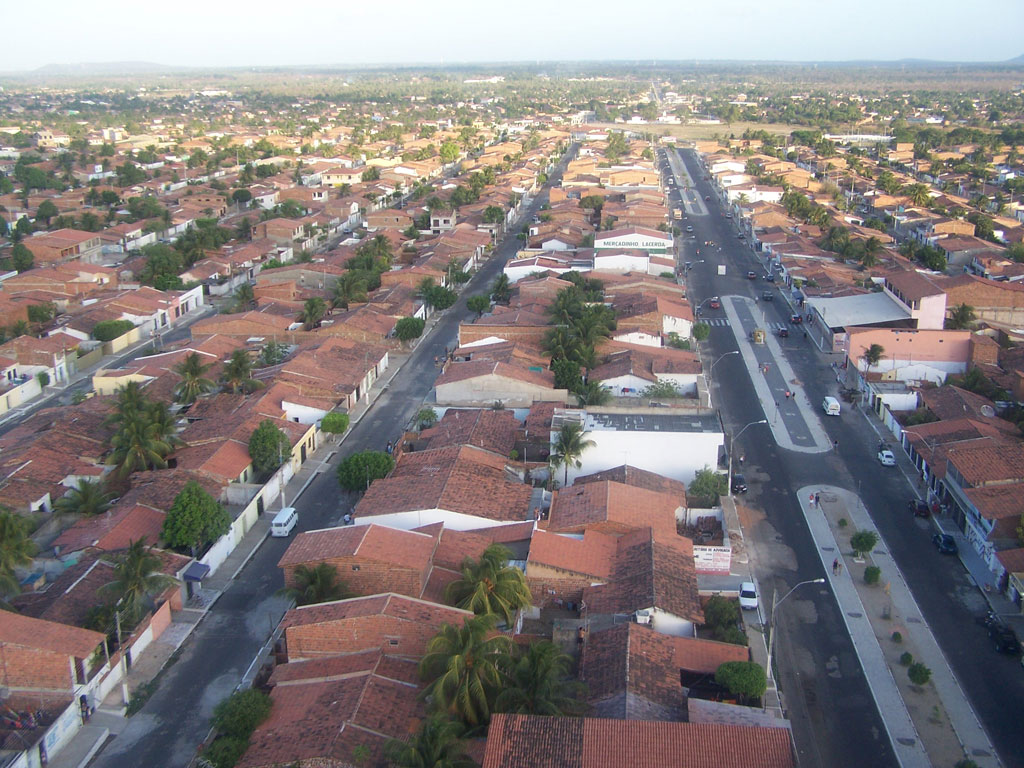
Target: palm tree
[(137, 577), (245, 298), (16, 549), (317, 584), (490, 586), (87, 499), (437, 744), (238, 370), (538, 682), (136, 447), (501, 289), (872, 247), (163, 423), (560, 342), (462, 669), (918, 194), (873, 354), (313, 311), (961, 317), (350, 288), (193, 379), (592, 393), (568, 448)]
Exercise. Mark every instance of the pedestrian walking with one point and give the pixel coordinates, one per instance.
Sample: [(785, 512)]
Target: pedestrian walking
[(742, 459), (817, 499), (835, 567), (840, 569), (835, 445), (811, 501)]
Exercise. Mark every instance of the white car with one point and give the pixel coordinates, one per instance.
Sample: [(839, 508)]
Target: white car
[(748, 596), (886, 459)]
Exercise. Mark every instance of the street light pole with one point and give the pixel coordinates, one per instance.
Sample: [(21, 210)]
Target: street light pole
[(732, 441), (771, 619)]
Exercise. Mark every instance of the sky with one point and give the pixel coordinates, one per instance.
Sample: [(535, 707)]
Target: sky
[(230, 33)]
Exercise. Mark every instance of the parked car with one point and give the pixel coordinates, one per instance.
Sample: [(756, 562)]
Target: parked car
[(783, 333), (945, 543), (767, 295), (918, 507), (739, 484), (741, 236), (1004, 638), (707, 197), (886, 458), (715, 303), (748, 596), (689, 228), (728, 215), (769, 277), (751, 275)]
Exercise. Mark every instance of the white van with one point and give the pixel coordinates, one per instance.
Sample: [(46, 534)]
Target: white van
[(284, 521), (830, 406)]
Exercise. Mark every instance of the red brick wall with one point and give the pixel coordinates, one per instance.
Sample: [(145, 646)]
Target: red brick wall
[(548, 591), (984, 351), (33, 669), (394, 636), (371, 578)]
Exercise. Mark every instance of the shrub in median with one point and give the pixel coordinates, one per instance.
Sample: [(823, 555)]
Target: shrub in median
[(919, 674), (906, 658), (872, 574)]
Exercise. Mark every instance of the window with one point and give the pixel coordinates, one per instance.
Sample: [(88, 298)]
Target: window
[(355, 567)]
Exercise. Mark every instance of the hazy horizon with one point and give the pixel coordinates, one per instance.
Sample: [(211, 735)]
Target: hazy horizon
[(258, 34)]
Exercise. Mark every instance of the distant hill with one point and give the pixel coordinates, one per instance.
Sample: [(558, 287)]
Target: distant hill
[(1017, 60), (89, 69)]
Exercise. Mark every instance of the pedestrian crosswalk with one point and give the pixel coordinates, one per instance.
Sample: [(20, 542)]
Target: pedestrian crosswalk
[(722, 322)]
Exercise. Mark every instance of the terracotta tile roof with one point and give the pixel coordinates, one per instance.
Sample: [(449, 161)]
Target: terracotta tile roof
[(631, 661), (386, 604), (325, 709), (70, 597), (638, 478), (475, 369), (694, 654), (913, 285), (531, 741), (28, 632), (592, 556), (113, 530), (988, 461), (581, 505), (949, 402), (455, 546), (494, 431), (1012, 559), (995, 502), (405, 549), (461, 479), (223, 461), (649, 573)]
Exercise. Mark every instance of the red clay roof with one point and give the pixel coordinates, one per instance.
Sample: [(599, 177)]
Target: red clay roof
[(27, 632), (531, 741), (460, 479), (591, 556), (405, 549), (585, 504)]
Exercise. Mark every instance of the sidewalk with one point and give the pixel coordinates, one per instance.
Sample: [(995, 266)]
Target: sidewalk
[(903, 734)]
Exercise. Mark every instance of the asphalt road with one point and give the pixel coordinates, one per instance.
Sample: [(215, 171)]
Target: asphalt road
[(834, 718), (175, 720), (941, 586)]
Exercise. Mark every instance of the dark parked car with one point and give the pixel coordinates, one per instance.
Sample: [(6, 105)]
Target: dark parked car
[(767, 295), (769, 277), (739, 484), (751, 275), (945, 543), (918, 507), (1004, 638)]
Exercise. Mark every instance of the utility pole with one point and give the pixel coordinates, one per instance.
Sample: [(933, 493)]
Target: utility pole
[(123, 663)]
